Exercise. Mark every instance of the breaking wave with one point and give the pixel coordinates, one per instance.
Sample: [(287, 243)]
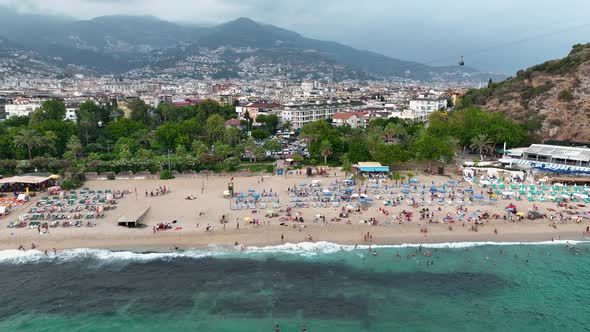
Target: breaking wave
[(301, 249)]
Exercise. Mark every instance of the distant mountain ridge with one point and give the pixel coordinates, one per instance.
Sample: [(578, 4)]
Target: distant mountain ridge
[(132, 44)]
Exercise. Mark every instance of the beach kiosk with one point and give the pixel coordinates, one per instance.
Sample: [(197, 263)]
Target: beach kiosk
[(370, 169)]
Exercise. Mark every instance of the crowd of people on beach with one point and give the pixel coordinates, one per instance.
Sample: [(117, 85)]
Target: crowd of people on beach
[(160, 191)]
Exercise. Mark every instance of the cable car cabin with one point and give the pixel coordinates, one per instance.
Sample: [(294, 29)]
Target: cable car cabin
[(461, 62)]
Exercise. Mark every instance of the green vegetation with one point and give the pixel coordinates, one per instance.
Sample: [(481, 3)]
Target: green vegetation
[(103, 139), (565, 96), (393, 141), (522, 87), (169, 138)]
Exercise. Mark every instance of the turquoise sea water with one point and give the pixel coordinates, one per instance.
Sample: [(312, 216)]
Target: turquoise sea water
[(542, 287)]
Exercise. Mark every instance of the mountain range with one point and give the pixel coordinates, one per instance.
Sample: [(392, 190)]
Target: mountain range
[(143, 46)]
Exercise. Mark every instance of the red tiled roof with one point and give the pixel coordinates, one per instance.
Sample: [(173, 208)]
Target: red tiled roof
[(233, 122)]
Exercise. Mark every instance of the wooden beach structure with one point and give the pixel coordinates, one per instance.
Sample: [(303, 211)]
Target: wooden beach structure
[(134, 217)]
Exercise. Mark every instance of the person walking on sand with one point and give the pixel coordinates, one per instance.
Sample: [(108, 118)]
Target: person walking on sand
[(282, 238)]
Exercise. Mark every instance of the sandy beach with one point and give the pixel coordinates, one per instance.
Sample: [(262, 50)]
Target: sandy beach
[(194, 216)]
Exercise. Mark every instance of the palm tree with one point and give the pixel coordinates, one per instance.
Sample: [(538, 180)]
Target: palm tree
[(346, 165), (326, 150), (394, 131), (29, 138), (49, 139), (145, 137), (410, 175), (482, 144), (74, 145), (396, 177), (309, 137), (374, 138), (454, 144), (249, 146)]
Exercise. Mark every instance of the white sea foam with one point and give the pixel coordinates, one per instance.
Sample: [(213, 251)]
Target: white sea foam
[(302, 249), (328, 247), (35, 256)]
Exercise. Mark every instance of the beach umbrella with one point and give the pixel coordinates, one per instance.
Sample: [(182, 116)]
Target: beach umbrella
[(433, 189), (442, 191), (374, 186), (451, 181), (302, 184), (240, 196), (256, 196), (405, 191), (247, 219), (348, 190), (521, 214), (493, 199), (327, 193), (478, 196), (406, 186), (412, 180), (251, 190)]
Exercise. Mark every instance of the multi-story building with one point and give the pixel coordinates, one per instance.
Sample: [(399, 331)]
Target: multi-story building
[(255, 109), (353, 119), (427, 103), (21, 108), (299, 115)]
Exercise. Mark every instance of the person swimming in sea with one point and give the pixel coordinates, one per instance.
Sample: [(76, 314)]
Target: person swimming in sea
[(277, 328)]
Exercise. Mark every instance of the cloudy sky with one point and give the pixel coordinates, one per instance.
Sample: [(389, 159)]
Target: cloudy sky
[(497, 35)]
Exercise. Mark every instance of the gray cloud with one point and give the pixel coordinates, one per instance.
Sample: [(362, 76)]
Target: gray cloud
[(422, 30)]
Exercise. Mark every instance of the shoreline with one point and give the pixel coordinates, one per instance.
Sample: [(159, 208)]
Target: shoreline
[(390, 236), (194, 216)]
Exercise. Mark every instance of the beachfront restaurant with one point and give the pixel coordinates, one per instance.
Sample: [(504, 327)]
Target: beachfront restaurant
[(370, 169), (23, 182), (550, 158)]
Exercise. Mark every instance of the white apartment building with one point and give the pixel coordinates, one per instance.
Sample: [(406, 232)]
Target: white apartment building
[(427, 103), (71, 112), (21, 109), (299, 115), (412, 115)]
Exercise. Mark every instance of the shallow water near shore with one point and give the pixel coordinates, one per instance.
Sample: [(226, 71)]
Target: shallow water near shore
[(477, 286)]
